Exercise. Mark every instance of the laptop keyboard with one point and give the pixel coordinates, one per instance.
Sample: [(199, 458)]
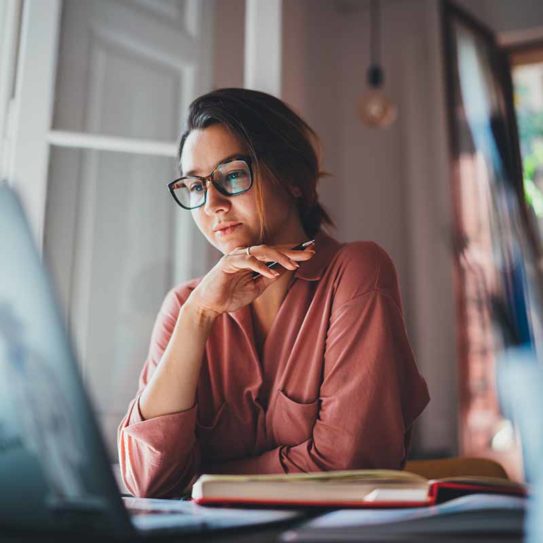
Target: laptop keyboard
[(156, 514), (149, 506)]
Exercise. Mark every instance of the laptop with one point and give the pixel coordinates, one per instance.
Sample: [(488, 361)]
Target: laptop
[(55, 474)]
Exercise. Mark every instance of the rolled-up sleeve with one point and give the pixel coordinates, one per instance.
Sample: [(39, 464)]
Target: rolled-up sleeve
[(158, 457)]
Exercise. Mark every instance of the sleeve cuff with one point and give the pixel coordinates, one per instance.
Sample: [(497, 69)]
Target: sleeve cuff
[(173, 432)]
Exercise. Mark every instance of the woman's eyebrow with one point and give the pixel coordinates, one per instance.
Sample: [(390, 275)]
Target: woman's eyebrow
[(225, 159)]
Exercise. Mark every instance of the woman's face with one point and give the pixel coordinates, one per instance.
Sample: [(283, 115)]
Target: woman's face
[(203, 150)]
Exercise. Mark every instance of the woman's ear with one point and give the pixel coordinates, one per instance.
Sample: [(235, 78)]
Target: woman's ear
[(295, 191)]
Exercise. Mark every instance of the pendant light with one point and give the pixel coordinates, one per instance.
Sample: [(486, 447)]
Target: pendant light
[(374, 108)]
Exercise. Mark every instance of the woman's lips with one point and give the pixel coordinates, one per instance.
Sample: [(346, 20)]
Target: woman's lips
[(227, 231)]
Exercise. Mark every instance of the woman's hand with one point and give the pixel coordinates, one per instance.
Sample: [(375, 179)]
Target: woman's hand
[(230, 285)]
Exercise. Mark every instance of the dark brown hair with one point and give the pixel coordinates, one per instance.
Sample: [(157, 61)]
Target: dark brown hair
[(281, 145)]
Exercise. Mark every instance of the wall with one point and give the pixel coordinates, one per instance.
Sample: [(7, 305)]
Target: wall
[(389, 185), (229, 42)]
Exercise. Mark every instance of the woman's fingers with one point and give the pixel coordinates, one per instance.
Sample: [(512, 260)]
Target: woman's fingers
[(304, 255), (259, 255), (286, 257), (256, 265), (277, 256)]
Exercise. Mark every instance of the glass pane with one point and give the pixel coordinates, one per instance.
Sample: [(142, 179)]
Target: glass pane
[(117, 74), (528, 88), (109, 244)]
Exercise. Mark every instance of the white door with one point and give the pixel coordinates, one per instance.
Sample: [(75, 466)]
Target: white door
[(113, 238)]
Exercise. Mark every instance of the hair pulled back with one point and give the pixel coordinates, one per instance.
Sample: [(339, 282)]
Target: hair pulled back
[(281, 145)]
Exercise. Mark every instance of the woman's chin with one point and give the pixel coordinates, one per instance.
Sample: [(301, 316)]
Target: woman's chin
[(227, 246)]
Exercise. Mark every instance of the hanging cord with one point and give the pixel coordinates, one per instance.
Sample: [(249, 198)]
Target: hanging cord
[(375, 72), (375, 32)]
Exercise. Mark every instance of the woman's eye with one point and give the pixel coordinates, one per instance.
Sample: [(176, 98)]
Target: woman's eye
[(234, 176), (196, 187)]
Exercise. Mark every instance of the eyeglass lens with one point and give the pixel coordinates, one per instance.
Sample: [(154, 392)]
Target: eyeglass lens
[(232, 178)]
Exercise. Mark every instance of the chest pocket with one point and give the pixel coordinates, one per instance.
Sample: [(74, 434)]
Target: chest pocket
[(291, 421)]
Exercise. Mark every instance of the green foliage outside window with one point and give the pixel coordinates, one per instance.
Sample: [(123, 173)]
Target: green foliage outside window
[(530, 126)]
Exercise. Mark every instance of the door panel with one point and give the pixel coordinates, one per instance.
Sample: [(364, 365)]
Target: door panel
[(124, 73), (114, 239), (120, 261)]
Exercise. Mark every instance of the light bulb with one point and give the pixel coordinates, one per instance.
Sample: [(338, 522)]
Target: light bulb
[(376, 110)]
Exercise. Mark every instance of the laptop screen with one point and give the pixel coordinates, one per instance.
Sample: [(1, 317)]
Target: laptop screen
[(54, 471)]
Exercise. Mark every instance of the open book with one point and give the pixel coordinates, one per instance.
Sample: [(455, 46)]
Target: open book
[(358, 488)]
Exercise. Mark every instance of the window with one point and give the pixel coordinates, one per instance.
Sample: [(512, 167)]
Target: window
[(527, 72), (95, 110)]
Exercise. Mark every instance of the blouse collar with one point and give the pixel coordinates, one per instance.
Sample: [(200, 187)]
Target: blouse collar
[(326, 248)]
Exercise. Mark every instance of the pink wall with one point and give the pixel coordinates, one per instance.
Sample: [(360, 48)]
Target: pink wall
[(390, 186)]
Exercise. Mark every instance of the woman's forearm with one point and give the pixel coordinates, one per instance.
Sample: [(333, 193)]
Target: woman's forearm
[(172, 388)]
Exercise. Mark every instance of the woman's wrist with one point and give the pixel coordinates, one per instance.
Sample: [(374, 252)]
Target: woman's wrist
[(201, 314)]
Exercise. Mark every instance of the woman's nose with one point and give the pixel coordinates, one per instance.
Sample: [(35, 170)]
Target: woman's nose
[(215, 201)]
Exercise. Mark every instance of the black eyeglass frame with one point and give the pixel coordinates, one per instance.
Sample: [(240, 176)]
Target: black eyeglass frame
[(246, 158)]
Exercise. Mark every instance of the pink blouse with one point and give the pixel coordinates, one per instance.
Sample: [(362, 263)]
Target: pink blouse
[(336, 386)]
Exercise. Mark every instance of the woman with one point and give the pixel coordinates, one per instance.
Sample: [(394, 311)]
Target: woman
[(304, 366)]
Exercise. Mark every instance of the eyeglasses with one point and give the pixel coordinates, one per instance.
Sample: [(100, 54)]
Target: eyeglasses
[(231, 177)]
